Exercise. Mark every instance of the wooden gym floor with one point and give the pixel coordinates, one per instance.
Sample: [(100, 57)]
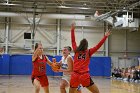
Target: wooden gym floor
[(22, 84)]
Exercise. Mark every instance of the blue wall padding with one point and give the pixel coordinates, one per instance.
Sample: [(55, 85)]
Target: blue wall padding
[(22, 65), (48, 69), (4, 62), (100, 66), (1, 67)]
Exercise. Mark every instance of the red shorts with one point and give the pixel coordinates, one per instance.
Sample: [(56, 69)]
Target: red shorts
[(78, 78), (42, 79)]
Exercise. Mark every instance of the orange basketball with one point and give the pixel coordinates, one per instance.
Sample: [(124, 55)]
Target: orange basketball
[(55, 65)]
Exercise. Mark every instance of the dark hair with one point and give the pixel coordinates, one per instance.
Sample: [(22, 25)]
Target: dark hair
[(36, 46), (69, 48), (82, 46)]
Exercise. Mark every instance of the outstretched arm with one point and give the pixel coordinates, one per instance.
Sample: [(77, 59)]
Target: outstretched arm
[(74, 46), (48, 61), (94, 49)]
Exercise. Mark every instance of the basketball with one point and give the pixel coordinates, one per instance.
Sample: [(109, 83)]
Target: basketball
[(55, 65)]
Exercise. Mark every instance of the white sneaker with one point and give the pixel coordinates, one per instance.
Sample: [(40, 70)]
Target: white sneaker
[(79, 87)]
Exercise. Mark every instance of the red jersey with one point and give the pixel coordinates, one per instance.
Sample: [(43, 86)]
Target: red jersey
[(82, 58), (39, 66)]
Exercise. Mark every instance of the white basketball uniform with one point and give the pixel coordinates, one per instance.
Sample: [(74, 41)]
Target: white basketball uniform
[(64, 65)]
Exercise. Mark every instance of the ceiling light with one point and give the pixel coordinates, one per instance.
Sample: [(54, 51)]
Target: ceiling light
[(62, 6), (8, 4), (84, 4), (84, 8)]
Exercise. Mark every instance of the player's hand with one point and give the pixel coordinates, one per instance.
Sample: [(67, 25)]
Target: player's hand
[(39, 51), (108, 33), (60, 70), (73, 26), (54, 60)]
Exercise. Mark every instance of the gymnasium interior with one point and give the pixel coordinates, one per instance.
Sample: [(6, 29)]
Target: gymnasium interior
[(26, 22)]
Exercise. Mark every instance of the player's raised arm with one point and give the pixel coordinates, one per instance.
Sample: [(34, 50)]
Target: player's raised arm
[(74, 46), (35, 54), (94, 49)]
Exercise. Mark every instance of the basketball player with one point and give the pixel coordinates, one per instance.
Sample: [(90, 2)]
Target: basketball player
[(82, 56), (66, 67), (39, 61)]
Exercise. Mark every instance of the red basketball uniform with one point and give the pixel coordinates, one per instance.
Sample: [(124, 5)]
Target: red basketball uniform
[(39, 70), (81, 63)]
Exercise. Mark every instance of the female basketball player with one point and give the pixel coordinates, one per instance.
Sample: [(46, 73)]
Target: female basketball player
[(39, 77), (66, 67), (82, 56)]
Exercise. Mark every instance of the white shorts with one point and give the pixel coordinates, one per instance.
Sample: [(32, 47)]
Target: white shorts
[(66, 77)]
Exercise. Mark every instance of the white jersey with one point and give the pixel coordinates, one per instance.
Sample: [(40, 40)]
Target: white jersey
[(64, 64)]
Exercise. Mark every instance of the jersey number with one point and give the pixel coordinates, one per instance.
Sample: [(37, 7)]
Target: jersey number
[(82, 56), (41, 68)]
